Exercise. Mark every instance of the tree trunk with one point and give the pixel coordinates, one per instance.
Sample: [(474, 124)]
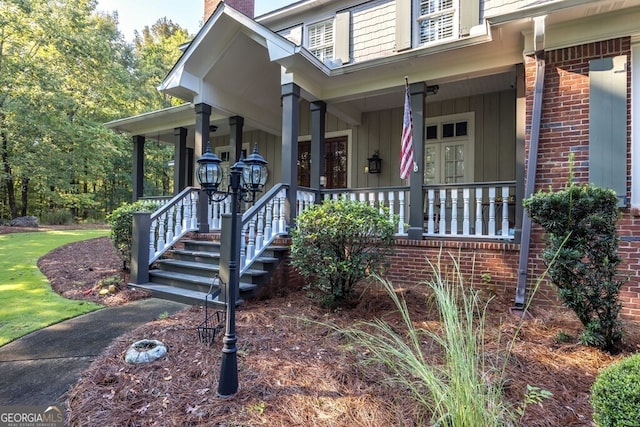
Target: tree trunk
[(25, 196), (6, 167)]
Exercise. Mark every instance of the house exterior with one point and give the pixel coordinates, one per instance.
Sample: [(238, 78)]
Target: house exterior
[(501, 93)]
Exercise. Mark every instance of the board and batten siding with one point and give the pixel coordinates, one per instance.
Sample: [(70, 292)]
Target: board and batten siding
[(495, 133)]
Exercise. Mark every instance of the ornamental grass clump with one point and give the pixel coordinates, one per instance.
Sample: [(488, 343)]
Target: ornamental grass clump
[(580, 222), (464, 389), (338, 243)]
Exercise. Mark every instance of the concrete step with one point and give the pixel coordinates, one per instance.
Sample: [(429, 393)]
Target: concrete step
[(182, 295)]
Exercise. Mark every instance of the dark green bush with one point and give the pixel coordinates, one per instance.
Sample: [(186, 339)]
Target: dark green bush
[(615, 395), (582, 255), (57, 217), (121, 222), (337, 243)]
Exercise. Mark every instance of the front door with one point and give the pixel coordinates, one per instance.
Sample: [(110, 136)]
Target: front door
[(335, 162)]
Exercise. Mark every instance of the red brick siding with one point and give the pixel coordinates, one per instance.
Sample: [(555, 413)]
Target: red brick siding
[(244, 6), (564, 129)]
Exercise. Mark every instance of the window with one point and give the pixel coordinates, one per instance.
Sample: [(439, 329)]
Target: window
[(437, 20), (448, 149), (320, 39)]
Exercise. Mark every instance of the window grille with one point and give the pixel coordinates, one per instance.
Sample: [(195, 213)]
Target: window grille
[(436, 20), (320, 41)]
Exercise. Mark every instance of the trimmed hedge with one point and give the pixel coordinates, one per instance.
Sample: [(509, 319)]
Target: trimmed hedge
[(615, 395)]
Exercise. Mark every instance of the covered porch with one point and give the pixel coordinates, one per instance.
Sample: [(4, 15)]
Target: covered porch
[(318, 126)]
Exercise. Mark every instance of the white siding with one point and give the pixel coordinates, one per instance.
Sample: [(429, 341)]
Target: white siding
[(374, 32)]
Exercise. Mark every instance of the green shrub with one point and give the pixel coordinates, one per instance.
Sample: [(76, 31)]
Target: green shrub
[(615, 395), (580, 222), (121, 222), (339, 242), (57, 217)]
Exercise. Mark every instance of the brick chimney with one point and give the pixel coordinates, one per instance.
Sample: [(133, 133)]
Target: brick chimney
[(244, 6)]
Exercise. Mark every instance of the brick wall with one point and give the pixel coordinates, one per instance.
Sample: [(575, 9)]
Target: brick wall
[(245, 6), (498, 262), (564, 129)]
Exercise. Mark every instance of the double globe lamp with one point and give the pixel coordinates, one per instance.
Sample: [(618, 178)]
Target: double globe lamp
[(247, 177)]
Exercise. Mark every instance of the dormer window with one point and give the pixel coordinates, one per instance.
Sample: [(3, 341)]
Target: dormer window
[(437, 20), (321, 39)]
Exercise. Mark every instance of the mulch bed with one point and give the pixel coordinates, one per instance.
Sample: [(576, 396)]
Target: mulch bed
[(294, 371)]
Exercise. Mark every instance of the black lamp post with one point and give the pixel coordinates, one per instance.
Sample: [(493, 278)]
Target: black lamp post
[(247, 177)]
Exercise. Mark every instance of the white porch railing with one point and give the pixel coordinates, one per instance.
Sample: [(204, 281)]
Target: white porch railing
[(479, 210), (262, 224), (173, 220)]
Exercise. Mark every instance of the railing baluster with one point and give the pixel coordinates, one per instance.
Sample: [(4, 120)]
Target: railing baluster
[(466, 214), (454, 211), (179, 208), (431, 219), (492, 211), (443, 212), (251, 244), (260, 230), (276, 215), (161, 235), (194, 212), (505, 212), (268, 230), (170, 225), (152, 239), (392, 207), (401, 211), (282, 221), (243, 246), (478, 211)]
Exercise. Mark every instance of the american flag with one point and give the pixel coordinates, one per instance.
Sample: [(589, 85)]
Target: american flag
[(406, 154)]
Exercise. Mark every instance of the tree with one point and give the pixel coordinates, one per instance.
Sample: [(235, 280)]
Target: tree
[(63, 70)]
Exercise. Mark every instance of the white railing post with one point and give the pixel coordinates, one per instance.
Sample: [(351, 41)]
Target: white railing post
[(401, 211), (505, 212), (492, 211), (443, 212), (161, 235)]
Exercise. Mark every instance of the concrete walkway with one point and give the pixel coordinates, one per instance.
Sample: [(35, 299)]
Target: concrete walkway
[(39, 368)]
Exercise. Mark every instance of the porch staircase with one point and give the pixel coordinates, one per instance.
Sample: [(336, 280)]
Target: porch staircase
[(186, 273)]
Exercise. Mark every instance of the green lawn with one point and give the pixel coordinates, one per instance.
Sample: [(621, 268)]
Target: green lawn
[(27, 302)]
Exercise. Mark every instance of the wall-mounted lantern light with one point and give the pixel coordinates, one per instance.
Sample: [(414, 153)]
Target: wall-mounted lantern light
[(374, 163)]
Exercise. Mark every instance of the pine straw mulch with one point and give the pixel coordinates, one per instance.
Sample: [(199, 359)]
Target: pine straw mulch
[(296, 371), (293, 371)]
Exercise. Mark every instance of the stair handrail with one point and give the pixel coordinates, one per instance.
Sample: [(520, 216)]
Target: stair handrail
[(265, 221), (172, 221)]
